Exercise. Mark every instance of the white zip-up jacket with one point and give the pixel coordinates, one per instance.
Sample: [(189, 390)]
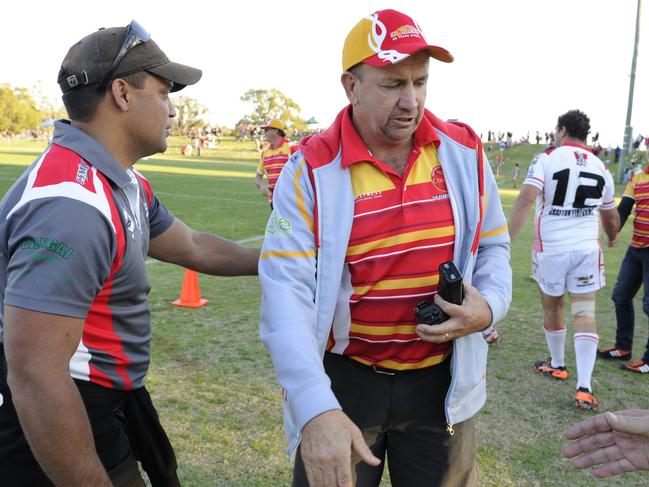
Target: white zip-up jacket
[(302, 263)]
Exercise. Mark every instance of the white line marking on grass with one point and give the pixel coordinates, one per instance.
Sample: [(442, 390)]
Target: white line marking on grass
[(212, 198), (256, 238)]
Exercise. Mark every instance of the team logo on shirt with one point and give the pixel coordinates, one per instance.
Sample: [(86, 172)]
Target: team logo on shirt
[(82, 172), (581, 158), (437, 178), (128, 223)]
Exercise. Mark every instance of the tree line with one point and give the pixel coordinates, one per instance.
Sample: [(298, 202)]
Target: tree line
[(27, 110)]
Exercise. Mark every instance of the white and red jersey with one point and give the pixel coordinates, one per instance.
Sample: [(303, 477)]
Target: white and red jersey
[(574, 184)]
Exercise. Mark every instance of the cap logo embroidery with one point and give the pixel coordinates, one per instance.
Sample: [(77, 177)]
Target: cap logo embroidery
[(405, 31), (375, 40), (72, 81)]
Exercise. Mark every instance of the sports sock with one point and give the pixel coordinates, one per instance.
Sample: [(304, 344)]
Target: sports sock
[(585, 354), (556, 340)]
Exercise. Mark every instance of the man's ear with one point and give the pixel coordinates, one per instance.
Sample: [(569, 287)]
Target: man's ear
[(350, 82), (120, 91)]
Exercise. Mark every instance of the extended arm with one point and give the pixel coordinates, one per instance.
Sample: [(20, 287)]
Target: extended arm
[(624, 209), (611, 224), (521, 209), (203, 252), (38, 349), (261, 184), (613, 443)]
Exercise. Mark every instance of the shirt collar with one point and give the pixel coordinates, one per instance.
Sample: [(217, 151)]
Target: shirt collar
[(90, 150), (354, 149), (580, 146)]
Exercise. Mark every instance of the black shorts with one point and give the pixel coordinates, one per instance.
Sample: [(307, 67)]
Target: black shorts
[(115, 439)]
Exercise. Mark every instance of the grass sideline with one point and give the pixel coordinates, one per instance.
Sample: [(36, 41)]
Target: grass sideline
[(214, 385)]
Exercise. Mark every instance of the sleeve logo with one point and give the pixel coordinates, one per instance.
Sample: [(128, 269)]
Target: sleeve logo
[(278, 226), (59, 248)]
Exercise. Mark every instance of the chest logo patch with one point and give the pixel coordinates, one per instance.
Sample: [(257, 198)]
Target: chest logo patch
[(128, 223), (437, 177)]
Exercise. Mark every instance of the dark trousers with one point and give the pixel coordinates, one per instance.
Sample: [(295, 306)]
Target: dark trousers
[(124, 425), (402, 419), (634, 272)]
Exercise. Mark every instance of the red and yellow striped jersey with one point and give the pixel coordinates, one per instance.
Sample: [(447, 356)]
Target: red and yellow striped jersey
[(272, 161), (402, 230), (638, 189)]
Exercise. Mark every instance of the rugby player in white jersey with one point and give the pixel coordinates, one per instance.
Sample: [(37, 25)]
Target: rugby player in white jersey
[(573, 191)]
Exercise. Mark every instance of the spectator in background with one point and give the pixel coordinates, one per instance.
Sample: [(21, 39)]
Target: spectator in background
[(618, 151), (500, 161), (516, 172), (638, 140), (274, 155)]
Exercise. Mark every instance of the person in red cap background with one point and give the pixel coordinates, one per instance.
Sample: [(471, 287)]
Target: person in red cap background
[(364, 215), (273, 157), (76, 229)]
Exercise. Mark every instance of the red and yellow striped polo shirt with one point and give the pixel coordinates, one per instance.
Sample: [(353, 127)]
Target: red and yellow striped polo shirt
[(272, 161), (638, 189), (402, 230)]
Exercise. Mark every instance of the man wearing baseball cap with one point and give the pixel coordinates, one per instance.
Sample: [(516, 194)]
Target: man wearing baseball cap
[(364, 215), (273, 157), (75, 230)]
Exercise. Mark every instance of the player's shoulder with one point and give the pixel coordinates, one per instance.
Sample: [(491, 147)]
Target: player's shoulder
[(540, 157)]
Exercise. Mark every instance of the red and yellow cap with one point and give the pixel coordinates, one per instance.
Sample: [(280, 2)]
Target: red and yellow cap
[(274, 124), (387, 37)]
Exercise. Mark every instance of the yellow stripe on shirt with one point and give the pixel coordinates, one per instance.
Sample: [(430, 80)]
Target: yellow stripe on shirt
[(393, 365), (382, 330), (400, 239), (399, 284)]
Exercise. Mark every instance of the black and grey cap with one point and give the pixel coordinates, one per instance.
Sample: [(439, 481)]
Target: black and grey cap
[(89, 60)]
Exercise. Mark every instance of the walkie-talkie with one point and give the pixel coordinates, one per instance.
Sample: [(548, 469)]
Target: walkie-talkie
[(450, 288)]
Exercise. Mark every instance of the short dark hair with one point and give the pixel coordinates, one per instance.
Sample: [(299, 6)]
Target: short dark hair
[(81, 103), (576, 123), (356, 70)]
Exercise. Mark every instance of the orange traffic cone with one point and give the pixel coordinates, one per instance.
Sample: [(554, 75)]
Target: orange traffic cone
[(190, 293)]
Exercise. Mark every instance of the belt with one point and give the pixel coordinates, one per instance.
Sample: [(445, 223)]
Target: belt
[(378, 369)]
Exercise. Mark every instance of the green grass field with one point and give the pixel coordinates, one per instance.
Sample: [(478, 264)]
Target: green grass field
[(214, 385)]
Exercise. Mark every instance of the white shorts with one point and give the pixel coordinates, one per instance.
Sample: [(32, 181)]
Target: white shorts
[(578, 271)]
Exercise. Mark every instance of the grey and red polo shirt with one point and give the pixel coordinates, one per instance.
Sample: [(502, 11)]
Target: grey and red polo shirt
[(74, 236)]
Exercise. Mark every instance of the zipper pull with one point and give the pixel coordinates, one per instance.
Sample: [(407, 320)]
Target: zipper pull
[(449, 428)]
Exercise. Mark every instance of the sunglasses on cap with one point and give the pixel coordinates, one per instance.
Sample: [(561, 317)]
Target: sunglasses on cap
[(135, 35)]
